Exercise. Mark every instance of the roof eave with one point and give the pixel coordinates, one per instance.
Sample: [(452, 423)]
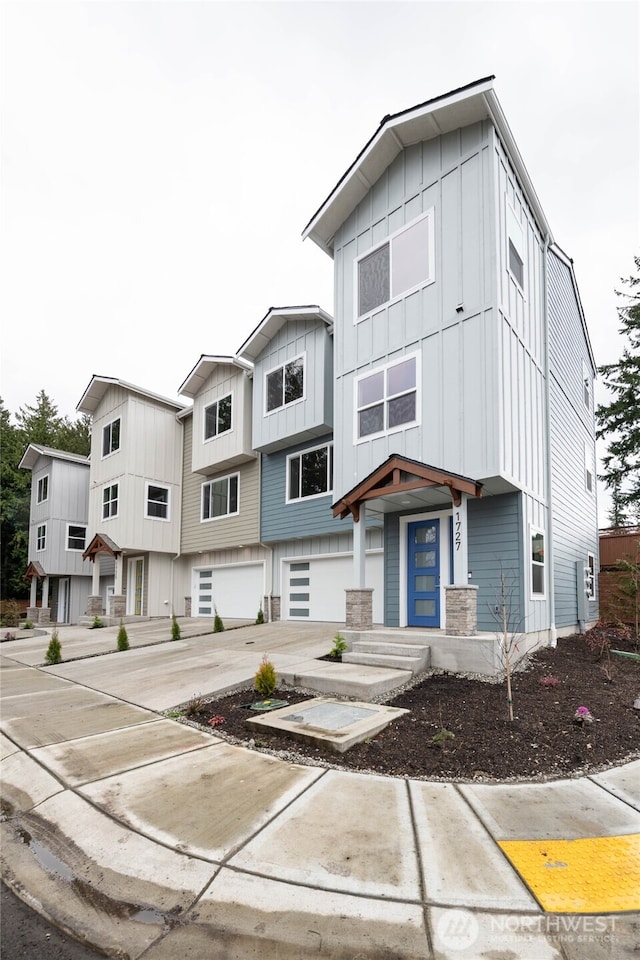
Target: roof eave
[(192, 385), (273, 320)]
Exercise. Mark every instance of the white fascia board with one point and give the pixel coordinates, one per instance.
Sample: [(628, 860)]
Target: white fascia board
[(203, 369), (34, 451), (98, 386), (273, 321)]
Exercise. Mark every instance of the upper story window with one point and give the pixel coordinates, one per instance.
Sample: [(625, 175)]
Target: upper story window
[(537, 563), (310, 473), (220, 497), (515, 247), (588, 468), (76, 536), (398, 265), (217, 418), (285, 384), (41, 537), (157, 502), (586, 386), (43, 488), (111, 437), (387, 399), (110, 501)]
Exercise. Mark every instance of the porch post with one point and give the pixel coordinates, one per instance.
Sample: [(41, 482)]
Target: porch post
[(45, 591), (34, 591), (460, 548), (95, 577), (359, 600), (359, 549)]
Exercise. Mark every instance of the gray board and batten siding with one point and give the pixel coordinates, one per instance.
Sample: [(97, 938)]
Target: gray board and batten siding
[(67, 503), (572, 440), (312, 415)]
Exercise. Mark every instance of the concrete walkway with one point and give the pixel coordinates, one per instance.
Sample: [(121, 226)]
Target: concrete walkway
[(147, 838)]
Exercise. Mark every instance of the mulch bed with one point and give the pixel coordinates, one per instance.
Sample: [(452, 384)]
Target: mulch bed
[(544, 741)]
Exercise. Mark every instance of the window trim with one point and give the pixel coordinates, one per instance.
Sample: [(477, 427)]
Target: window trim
[(589, 471), (383, 368), (112, 499), (218, 433), (41, 538), (222, 516), (394, 297), (69, 549), (330, 473), (109, 427), (161, 486), (591, 566), (587, 386), (515, 238), (281, 366), (536, 564), (40, 485)]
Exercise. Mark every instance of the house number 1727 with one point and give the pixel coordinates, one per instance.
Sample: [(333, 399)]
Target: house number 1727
[(457, 536)]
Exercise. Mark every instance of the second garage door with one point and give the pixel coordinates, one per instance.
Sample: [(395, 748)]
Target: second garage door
[(236, 592), (314, 589)]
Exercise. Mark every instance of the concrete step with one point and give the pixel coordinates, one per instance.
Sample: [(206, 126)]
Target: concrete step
[(395, 661), (391, 647)]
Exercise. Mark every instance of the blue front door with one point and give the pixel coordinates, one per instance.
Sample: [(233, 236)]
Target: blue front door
[(423, 593)]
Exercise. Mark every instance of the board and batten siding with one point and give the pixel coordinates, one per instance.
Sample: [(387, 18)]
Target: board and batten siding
[(224, 532), (575, 518), (307, 418), (449, 324), (67, 502), (311, 516), (232, 446)]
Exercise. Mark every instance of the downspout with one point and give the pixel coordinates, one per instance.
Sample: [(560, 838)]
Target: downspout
[(553, 634), (268, 586)]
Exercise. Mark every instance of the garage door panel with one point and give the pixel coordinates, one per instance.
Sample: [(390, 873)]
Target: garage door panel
[(315, 589), (235, 592)]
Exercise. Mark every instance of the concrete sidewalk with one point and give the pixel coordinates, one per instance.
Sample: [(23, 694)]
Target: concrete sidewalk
[(145, 837)]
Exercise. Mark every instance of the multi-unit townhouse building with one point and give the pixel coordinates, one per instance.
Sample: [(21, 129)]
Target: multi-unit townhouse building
[(391, 463)]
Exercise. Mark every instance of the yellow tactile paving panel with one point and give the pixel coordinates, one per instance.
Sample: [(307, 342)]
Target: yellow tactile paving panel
[(590, 875)]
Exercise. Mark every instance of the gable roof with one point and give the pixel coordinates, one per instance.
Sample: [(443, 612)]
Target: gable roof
[(36, 450), (274, 319), (98, 386), (203, 370), (469, 104)]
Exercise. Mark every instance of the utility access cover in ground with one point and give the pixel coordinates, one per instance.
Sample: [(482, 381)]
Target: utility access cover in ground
[(325, 721)]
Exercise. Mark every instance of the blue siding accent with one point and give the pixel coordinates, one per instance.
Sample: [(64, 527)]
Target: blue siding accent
[(283, 521), (392, 569), (575, 521), (495, 546)]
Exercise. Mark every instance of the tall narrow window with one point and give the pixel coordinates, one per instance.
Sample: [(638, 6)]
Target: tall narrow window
[(217, 418), (43, 488), (220, 497), (285, 384), (537, 563), (110, 501), (402, 263), (515, 247), (41, 537), (111, 437), (586, 386), (588, 468)]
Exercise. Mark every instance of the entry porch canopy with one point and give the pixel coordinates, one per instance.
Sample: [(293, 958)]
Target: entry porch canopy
[(401, 483), (101, 543)]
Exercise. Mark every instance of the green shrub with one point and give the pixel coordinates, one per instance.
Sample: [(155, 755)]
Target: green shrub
[(10, 613), (218, 625), (175, 628), (266, 678), (97, 623), (123, 639), (340, 645), (260, 617), (27, 625), (54, 650)]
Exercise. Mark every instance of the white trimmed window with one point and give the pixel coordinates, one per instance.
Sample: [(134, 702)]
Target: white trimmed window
[(220, 497), (284, 384), (591, 577), (402, 263), (586, 386), (43, 489), (588, 468), (387, 398), (41, 537), (310, 473), (110, 501), (217, 418), (537, 563), (111, 437), (156, 502), (76, 536), (515, 247)]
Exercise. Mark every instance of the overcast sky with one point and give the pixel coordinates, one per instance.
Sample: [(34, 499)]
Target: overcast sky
[(160, 160)]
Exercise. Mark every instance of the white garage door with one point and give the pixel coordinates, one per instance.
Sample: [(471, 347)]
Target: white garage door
[(314, 589), (235, 592)]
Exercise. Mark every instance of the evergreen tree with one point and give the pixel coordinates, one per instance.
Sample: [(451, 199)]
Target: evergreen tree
[(619, 420)]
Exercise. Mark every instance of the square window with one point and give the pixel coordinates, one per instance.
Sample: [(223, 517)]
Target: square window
[(111, 438), (157, 503), (76, 537), (217, 418), (310, 473), (43, 489), (387, 398), (220, 497), (285, 384)]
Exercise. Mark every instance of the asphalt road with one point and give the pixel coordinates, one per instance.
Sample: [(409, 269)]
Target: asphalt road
[(25, 935)]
